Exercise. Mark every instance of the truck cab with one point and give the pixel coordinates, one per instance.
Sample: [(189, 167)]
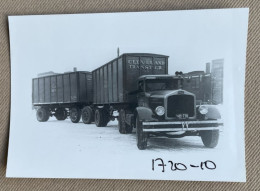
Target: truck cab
[(165, 109)]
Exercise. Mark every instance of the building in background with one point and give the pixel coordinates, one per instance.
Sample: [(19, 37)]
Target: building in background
[(206, 85), (217, 80)]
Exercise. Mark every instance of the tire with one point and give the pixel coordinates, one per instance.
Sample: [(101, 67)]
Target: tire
[(87, 115), (60, 114), (106, 118), (123, 127), (210, 138), (75, 115), (101, 118), (42, 114), (141, 137)]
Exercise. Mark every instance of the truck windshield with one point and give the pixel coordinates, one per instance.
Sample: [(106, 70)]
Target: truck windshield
[(162, 84)]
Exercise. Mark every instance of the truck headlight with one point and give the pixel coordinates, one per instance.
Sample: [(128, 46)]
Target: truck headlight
[(203, 109), (160, 110)]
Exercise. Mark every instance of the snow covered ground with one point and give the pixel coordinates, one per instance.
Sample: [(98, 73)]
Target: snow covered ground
[(86, 137), (64, 149)]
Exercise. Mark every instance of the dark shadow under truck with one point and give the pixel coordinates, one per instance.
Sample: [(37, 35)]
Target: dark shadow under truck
[(138, 88)]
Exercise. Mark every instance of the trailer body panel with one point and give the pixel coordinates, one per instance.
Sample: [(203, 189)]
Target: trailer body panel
[(73, 87), (116, 81)]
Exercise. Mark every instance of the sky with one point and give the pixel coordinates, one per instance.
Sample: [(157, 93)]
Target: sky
[(60, 42)]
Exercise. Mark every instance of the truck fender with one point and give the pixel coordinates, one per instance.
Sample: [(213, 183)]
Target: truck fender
[(213, 112), (145, 114)]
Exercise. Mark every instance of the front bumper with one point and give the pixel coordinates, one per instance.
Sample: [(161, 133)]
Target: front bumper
[(173, 126)]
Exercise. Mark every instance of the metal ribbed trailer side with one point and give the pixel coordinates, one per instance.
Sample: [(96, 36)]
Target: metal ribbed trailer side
[(115, 82), (63, 89), (60, 95)]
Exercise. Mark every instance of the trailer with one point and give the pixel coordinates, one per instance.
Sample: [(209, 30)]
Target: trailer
[(62, 95), (115, 82)]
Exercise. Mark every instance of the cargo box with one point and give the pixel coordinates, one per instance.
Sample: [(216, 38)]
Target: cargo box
[(73, 87), (116, 81)]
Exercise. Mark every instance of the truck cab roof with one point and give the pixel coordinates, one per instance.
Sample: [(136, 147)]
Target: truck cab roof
[(164, 76)]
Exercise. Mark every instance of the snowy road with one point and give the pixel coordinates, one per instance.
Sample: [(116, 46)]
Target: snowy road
[(63, 149), (109, 138)]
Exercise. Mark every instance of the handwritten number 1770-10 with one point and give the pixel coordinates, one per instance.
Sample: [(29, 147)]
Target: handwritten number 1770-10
[(208, 164)]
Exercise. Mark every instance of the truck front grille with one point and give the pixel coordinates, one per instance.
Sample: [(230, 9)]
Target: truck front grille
[(180, 104)]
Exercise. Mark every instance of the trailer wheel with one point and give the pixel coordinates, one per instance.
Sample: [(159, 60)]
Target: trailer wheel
[(210, 138), (141, 136), (42, 114), (87, 115), (101, 118), (124, 128), (75, 114), (60, 114), (106, 118)]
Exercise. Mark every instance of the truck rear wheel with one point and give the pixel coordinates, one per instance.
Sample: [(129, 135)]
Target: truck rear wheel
[(210, 138), (141, 136), (124, 128), (60, 114), (101, 118), (75, 114), (43, 114), (87, 115)]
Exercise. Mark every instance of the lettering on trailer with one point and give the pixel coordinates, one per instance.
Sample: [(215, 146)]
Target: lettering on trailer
[(146, 64)]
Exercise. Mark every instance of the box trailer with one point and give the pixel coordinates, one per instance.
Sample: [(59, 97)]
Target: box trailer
[(115, 82), (62, 94)]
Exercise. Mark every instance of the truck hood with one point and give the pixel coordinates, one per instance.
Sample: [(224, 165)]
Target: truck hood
[(161, 93)]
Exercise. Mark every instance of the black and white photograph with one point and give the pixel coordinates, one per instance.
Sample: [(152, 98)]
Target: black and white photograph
[(133, 95)]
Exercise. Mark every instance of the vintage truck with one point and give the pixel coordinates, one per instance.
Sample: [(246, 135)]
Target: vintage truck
[(136, 89), (139, 88)]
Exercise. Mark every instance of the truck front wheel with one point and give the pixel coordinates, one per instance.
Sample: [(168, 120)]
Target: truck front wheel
[(124, 128), (60, 114), (210, 138), (42, 114), (141, 136), (87, 115), (75, 115)]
